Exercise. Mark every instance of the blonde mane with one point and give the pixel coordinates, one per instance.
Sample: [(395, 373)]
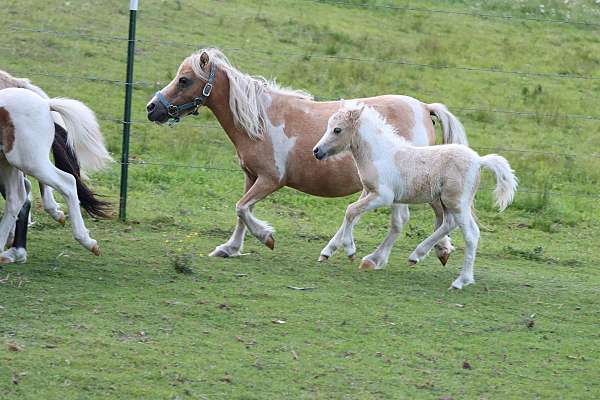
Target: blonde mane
[(249, 97), (9, 81), (373, 119)]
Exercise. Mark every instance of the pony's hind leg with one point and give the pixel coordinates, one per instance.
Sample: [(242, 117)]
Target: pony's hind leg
[(379, 258), (260, 229), (15, 198), (233, 247), (48, 174), (50, 205), (17, 252), (471, 234), (444, 247)]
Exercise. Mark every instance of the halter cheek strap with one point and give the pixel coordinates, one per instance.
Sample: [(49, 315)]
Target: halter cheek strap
[(175, 111)]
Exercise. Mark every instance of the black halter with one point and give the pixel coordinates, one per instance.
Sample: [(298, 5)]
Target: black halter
[(175, 111)]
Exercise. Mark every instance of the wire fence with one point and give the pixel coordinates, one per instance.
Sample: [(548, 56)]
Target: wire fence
[(308, 57)]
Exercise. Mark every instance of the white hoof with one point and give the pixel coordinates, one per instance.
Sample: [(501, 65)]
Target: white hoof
[(374, 261), (13, 255), (461, 282)]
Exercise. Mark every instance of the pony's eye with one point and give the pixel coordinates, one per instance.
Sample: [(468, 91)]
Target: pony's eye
[(183, 81), (337, 131)]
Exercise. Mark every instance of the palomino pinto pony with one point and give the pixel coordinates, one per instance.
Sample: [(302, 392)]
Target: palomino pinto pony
[(394, 171), (274, 130), (27, 133)]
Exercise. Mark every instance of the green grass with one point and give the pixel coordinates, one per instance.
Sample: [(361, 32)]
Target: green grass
[(128, 325)]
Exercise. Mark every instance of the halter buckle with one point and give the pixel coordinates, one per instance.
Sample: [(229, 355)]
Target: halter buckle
[(207, 89)]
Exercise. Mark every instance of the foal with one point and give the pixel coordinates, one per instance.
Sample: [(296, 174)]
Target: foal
[(394, 171)]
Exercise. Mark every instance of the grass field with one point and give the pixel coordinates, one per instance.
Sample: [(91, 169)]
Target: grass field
[(127, 325)]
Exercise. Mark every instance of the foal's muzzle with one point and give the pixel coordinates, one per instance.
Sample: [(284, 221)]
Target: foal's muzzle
[(318, 153)]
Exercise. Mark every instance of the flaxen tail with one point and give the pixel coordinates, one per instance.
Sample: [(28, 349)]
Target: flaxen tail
[(453, 130), (84, 133), (506, 181)]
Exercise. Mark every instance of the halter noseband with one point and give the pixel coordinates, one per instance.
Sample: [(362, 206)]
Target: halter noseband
[(175, 111)]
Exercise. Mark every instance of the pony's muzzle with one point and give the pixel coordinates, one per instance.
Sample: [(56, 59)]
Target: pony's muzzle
[(157, 112)]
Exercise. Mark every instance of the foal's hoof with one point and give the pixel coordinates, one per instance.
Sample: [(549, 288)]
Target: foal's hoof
[(270, 242), (443, 257), (96, 250), (61, 219), (219, 253), (412, 263), (6, 260), (367, 265), (352, 257), (323, 257)]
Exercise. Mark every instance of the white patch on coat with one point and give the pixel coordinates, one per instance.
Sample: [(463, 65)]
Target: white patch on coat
[(282, 145), (419, 131)]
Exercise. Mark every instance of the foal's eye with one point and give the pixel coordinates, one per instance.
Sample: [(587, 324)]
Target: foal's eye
[(337, 131), (183, 81)]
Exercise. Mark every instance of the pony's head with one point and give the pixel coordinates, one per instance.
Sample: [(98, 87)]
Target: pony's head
[(341, 128), (189, 90)]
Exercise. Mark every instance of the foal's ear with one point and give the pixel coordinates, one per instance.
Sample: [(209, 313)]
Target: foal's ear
[(204, 59)]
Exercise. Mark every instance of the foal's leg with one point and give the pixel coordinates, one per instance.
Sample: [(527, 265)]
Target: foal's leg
[(233, 247), (379, 258), (335, 241), (50, 205), (471, 234), (354, 211), (425, 246), (260, 229), (444, 247), (15, 198)]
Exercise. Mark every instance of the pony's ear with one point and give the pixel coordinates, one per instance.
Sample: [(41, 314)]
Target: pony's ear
[(354, 114), (204, 59)]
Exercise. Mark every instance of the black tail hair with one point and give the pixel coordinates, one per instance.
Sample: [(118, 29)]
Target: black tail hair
[(65, 159)]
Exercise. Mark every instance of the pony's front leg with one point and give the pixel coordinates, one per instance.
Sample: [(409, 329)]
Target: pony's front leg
[(444, 247), (379, 258), (50, 205), (336, 241), (260, 229), (233, 247), (371, 201)]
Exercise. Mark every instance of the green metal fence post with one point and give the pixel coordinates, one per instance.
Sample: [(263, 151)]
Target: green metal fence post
[(133, 6)]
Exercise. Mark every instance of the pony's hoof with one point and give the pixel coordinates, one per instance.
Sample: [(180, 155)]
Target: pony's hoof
[(6, 260), (96, 250), (352, 257), (270, 242), (444, 258), (412, 263), (323, 258), (367, 265)]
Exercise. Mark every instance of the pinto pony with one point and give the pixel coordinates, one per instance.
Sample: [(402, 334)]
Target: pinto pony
[(274, 130), (394, 171), (27, 133)]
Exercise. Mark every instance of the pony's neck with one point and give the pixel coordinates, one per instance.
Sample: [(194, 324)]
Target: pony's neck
[(218, 103)]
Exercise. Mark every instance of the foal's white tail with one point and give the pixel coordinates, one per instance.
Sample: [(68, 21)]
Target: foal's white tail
[(453, 130), (83, 133), (506, 181)]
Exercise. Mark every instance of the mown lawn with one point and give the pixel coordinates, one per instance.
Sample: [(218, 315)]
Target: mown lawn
[(127, 325)]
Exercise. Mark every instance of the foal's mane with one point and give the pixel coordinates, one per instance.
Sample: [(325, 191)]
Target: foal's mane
[(248, 95), (372, 116)]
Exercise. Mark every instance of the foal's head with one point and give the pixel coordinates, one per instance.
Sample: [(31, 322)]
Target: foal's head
[(341, 127), (188, 91)]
